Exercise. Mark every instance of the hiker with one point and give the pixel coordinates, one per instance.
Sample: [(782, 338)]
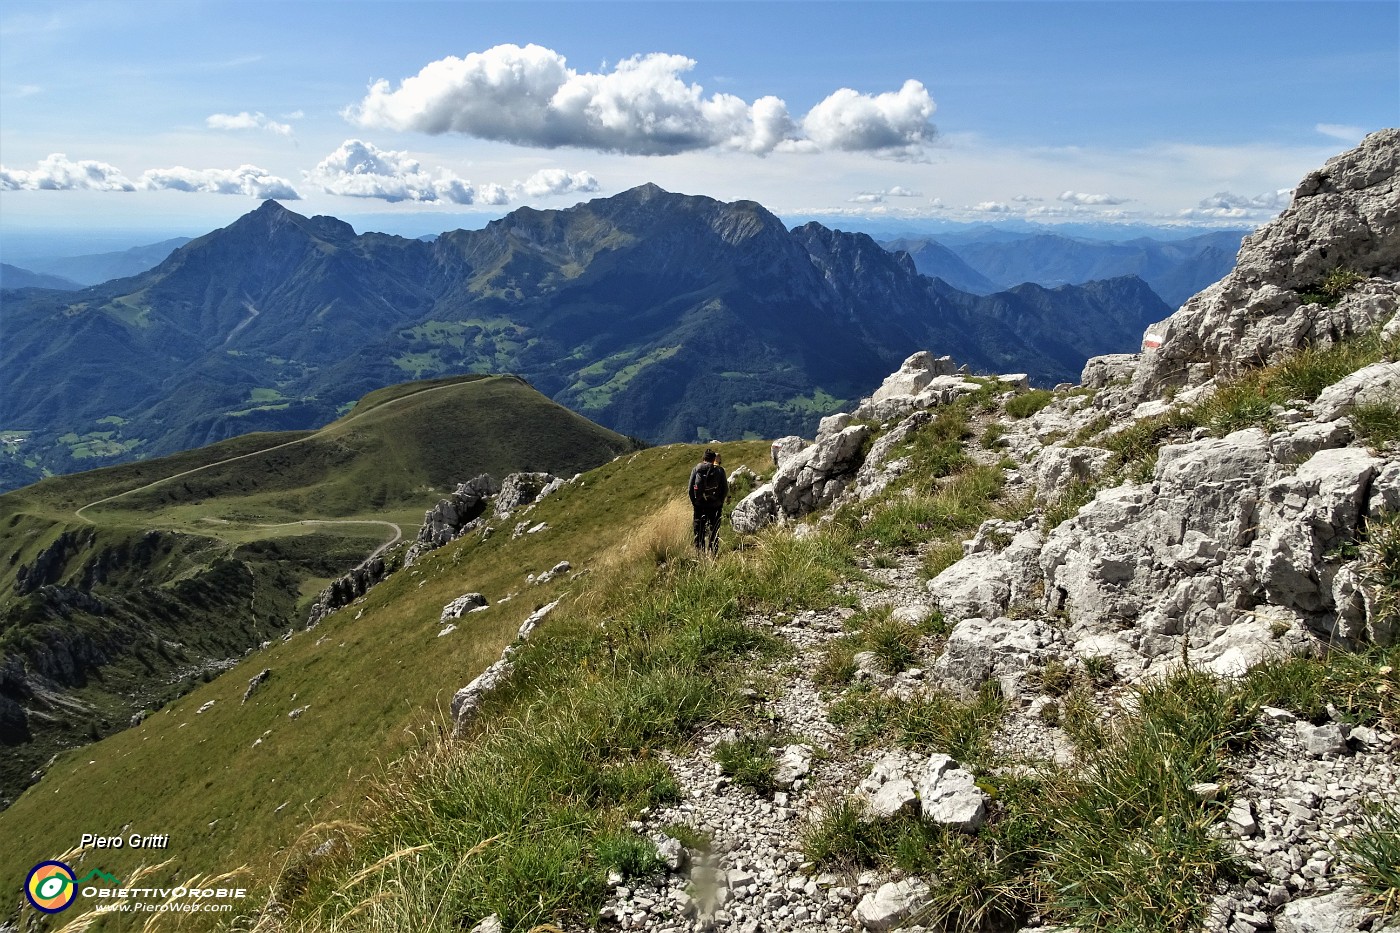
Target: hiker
[(708, 490)]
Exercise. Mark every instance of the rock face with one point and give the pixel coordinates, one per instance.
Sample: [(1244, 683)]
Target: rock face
[(807, 480), (519, 489), (921, 382), (345, 590), (444, 521), (892, 904), (467, 602), (1223, 550), (1223, 553), (1345, 216)]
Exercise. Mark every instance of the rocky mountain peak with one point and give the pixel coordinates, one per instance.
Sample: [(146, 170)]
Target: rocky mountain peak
[(1324, 270)]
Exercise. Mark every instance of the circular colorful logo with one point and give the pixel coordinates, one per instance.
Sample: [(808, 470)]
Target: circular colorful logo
[(50, 887)]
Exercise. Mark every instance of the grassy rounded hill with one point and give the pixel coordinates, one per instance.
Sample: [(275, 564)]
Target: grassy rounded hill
[(123, 588)]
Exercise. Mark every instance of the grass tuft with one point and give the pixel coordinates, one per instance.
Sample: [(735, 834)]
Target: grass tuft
[(1028, 403), (1373, 855), (750, 761)]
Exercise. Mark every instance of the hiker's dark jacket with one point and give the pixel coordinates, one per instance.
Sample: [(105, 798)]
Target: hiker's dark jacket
[(695, 479)]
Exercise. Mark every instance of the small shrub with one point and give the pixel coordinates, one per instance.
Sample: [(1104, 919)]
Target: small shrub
[(666, 535), (837, 665), (940, 556), (1091, 430), (1380, 566), (1076, 495), (936, 624), (994, 436), (1307, 372), (1100, 670), (1133, 847), (1056, 678), (1028, 403), (930, 722), (1144, 438), (1244, 403)]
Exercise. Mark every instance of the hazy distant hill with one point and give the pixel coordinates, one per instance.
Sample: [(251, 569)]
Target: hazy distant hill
[(999, 259), (935, 260), (95, 268), (663, 316), (15, 277)]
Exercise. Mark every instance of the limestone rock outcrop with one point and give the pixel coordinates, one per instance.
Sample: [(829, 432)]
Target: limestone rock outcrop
[(521, 489), (346, 589), (808, 480), (1344, 220), (452, 516)]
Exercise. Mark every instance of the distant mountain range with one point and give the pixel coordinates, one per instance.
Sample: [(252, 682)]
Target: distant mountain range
[(983, 262), (95, 268), (662, 316), (15, 277)]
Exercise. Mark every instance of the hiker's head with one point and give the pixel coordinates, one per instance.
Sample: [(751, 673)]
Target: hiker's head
[(710, 456)]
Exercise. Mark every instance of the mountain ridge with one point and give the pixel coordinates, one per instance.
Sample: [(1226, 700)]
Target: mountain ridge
[(663, 315)]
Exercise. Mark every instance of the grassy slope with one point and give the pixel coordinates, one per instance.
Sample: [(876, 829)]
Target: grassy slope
[(376, 676), (236, 562)]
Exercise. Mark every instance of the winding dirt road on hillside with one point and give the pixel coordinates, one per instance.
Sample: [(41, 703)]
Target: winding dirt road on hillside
[(398, 532)]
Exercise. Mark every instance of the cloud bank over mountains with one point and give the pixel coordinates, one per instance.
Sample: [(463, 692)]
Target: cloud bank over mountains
[(362, 170), (59, 173), (356, 170), (530, 96)]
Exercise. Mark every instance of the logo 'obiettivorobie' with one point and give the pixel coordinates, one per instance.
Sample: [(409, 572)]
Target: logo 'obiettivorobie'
[(50, 887)]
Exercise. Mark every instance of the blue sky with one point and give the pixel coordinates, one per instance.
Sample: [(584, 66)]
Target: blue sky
[(180, 116)]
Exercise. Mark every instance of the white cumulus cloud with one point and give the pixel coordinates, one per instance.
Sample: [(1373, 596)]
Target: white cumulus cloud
[(246, 179), (553, 181), (894, 123), (642, 106), (1090, 200), (877, 197), (359, 169), (59, 173), (247, 121), (362, 170)]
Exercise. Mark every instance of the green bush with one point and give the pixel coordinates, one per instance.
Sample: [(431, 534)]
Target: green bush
[(931, 722), (1076, 495), (1133, 846)]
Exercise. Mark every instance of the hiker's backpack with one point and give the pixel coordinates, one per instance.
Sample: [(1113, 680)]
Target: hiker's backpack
[(709, 484)]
